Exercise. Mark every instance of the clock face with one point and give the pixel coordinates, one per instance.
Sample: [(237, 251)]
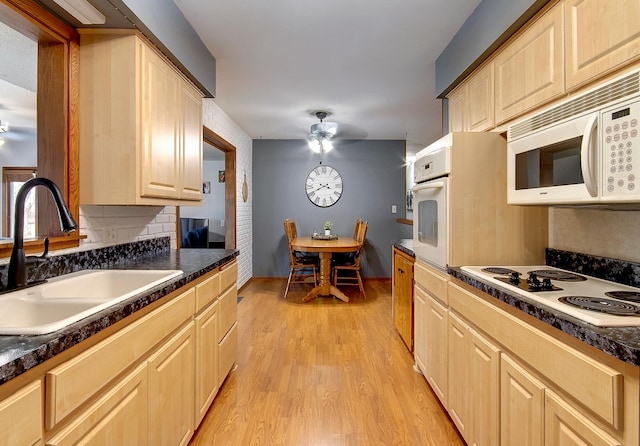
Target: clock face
[(324, 186)]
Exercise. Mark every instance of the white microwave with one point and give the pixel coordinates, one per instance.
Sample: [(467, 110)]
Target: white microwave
[(582, 151)]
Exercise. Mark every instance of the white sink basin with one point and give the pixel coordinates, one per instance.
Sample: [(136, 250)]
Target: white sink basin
[(66, 299)]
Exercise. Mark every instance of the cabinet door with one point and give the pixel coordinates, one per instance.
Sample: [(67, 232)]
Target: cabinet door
[(459, 398), (172, 390), (530, 70), (118, 417), (206, 360), (521, 406), (480, 100), (600, 36), (419, 327), (565, 426), (403, 298), (21, 416), (190, 143), (458, 108), (484, 364), (437, 327), (159, 157)]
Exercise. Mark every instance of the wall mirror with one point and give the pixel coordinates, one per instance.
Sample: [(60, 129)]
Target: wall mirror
[(39, 93)]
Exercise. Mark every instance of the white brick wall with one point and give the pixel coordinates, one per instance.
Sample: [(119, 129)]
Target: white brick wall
[(112, 225), (216, 119)]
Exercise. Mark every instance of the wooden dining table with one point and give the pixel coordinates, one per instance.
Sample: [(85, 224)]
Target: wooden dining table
[(325, 248)]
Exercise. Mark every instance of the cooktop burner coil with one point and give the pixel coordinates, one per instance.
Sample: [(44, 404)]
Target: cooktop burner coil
[(563, 276), (631, 296), (608, 306), (498, 270)]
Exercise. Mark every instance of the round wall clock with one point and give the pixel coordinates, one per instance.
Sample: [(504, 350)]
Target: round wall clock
[(323, 186)]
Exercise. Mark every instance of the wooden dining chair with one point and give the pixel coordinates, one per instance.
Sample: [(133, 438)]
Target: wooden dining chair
[(349, 272), (301, 267)]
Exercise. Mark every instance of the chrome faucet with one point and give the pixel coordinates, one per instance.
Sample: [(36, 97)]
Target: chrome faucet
[(17, 274)]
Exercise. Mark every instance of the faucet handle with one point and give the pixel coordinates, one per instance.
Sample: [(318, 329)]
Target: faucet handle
[(42, 257)]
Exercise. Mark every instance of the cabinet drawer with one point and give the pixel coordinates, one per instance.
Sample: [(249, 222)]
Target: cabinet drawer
[(228, 311), (227, 353), (431, 280), (228, 275), (74, 382), (119, 417), (20, 416), (595, 385), (207, 291)]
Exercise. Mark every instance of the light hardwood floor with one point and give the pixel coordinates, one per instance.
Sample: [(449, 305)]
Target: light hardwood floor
[(322, 373)]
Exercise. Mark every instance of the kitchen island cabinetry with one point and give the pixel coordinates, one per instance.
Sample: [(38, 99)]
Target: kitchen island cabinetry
[(529, 70), (140, 123), (403, 296), (600, 37)]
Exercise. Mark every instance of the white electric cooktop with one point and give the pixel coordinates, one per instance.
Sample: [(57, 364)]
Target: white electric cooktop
[(609, 304)]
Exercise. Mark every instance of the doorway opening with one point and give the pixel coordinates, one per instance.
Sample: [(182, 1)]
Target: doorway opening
[(218, 208)]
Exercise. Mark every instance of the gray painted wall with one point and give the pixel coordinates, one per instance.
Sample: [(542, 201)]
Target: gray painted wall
[(373, 174), (164, 20), (490, 25)]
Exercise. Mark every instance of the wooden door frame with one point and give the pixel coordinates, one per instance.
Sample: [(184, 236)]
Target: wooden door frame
[(229, 150)]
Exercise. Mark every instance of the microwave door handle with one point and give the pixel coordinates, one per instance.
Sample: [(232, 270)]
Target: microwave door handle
[(435, 185), (586, 151)]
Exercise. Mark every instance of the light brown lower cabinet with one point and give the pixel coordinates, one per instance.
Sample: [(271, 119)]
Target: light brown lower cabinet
[(172, 390), (120, 416), (149, 382), (20, 416), (521, 406), (507, 379)]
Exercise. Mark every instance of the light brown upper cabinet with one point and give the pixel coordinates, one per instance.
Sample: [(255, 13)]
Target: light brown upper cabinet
[(471, 104), (140, 126), (529, 71), (600, 36)]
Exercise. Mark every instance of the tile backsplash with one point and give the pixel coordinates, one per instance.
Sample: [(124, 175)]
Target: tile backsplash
[(112, 225)]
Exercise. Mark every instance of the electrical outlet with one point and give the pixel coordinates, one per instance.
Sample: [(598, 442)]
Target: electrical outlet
[(394, 209)]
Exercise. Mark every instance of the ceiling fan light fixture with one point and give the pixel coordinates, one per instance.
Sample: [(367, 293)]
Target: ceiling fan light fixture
[(315, 145), (327, 145)]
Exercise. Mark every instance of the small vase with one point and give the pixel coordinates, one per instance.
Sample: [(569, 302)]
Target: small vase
[(327, 232)]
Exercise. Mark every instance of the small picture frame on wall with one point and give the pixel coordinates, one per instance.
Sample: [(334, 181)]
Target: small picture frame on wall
[(221, 176), (206, 187)]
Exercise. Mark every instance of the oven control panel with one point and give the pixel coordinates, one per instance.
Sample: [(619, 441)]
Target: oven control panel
[(620, 133)]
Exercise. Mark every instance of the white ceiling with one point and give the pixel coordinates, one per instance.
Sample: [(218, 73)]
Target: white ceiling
[(370, 63)]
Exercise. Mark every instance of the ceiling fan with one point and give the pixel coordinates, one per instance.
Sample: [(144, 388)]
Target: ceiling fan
[(321, 134)]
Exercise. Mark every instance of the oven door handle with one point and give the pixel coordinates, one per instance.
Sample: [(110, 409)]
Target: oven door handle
[(586, 153), (433, 185)]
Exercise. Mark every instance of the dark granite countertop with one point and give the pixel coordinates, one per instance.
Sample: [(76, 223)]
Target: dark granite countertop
[(21, 353), (620, 342), (405, 245)]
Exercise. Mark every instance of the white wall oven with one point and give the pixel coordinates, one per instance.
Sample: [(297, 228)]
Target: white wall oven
[(430, 231), (585, 150)]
